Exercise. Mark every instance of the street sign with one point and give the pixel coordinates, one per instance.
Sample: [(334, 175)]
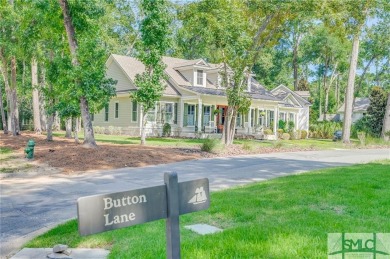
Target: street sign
[(100, 213), (194, 196)]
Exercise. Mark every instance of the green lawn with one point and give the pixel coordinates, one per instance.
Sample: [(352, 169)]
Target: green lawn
[(287, 217), (195, 143)]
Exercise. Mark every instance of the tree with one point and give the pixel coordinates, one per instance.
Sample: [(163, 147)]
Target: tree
[(357, 14), (87, 55), (34, 81), (151, 47), (386, 121), (376, 110), (9, 21), (232, 34), (3, 119)]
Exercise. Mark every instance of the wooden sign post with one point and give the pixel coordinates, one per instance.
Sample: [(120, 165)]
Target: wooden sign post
[(100, 213)]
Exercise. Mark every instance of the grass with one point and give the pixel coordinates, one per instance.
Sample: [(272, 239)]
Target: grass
[(247, 144), (6, 154), (287, 217), (123, 139)]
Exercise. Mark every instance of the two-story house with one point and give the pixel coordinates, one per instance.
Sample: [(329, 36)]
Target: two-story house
[(194, 101)]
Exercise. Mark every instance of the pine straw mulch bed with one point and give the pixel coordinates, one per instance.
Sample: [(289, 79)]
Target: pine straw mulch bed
[(71, 157)]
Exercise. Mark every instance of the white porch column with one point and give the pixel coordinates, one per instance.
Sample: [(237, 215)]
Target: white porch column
[(276, 119), (250, 121), (199, 115), (181, 114)]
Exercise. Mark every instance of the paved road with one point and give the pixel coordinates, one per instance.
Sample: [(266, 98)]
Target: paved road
[(31, 205)]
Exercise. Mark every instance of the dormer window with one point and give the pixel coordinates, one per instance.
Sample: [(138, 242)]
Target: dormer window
[(199, 77)]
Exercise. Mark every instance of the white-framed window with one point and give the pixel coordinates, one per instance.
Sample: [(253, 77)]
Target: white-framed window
[(116, 110), (206, 115), (238, 120), (151, 117), (167, 112), (191, 115), (270, 118), (252, 113), (291, 117), (134, 111), (106, 112), (282, 116), (199, 77)]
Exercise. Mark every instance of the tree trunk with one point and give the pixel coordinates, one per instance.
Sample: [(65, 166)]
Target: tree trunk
[(57, 122), (386, 121), (89, 138), (143, 127), (3, 119), (325, 89), (42, 101), (68, 128), (350, 90), (76, 130), (14, 100), (337, 92), (50, 120), (35, 97), (295, 64)]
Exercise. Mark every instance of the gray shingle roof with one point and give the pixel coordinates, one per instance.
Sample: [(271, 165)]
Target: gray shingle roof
[(361, 105)]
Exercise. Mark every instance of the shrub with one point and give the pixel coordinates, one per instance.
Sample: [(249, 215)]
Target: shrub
[(268, 132), (291, 126), (111, 130), (286, 136), (303, 134), (277, 144), (282, 125), (294, 134), (324, 129), (209, 145), (166, 130), (362, 138), (280, 133), (247, 146)]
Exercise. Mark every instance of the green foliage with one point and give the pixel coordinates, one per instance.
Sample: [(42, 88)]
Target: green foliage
[(282, 125), (166, 130), (324, 129), (303, 134), (290, 126), (376, 110), (209, 145), (361, 125), (268, 132), (154, 42), (247, 146), (280, 133)]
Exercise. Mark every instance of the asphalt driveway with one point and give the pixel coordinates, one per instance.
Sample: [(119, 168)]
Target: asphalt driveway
[(33, 204)]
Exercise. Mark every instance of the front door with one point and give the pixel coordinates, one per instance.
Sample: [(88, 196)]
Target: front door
[(221, 117)]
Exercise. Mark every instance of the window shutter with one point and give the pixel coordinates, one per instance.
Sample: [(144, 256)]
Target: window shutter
[(196, 115), (202, 109), (185, 115), (256, 116), (175, 114), (212, 113)]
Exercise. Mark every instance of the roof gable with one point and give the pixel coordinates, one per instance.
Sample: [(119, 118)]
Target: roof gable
[(282, 91)]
